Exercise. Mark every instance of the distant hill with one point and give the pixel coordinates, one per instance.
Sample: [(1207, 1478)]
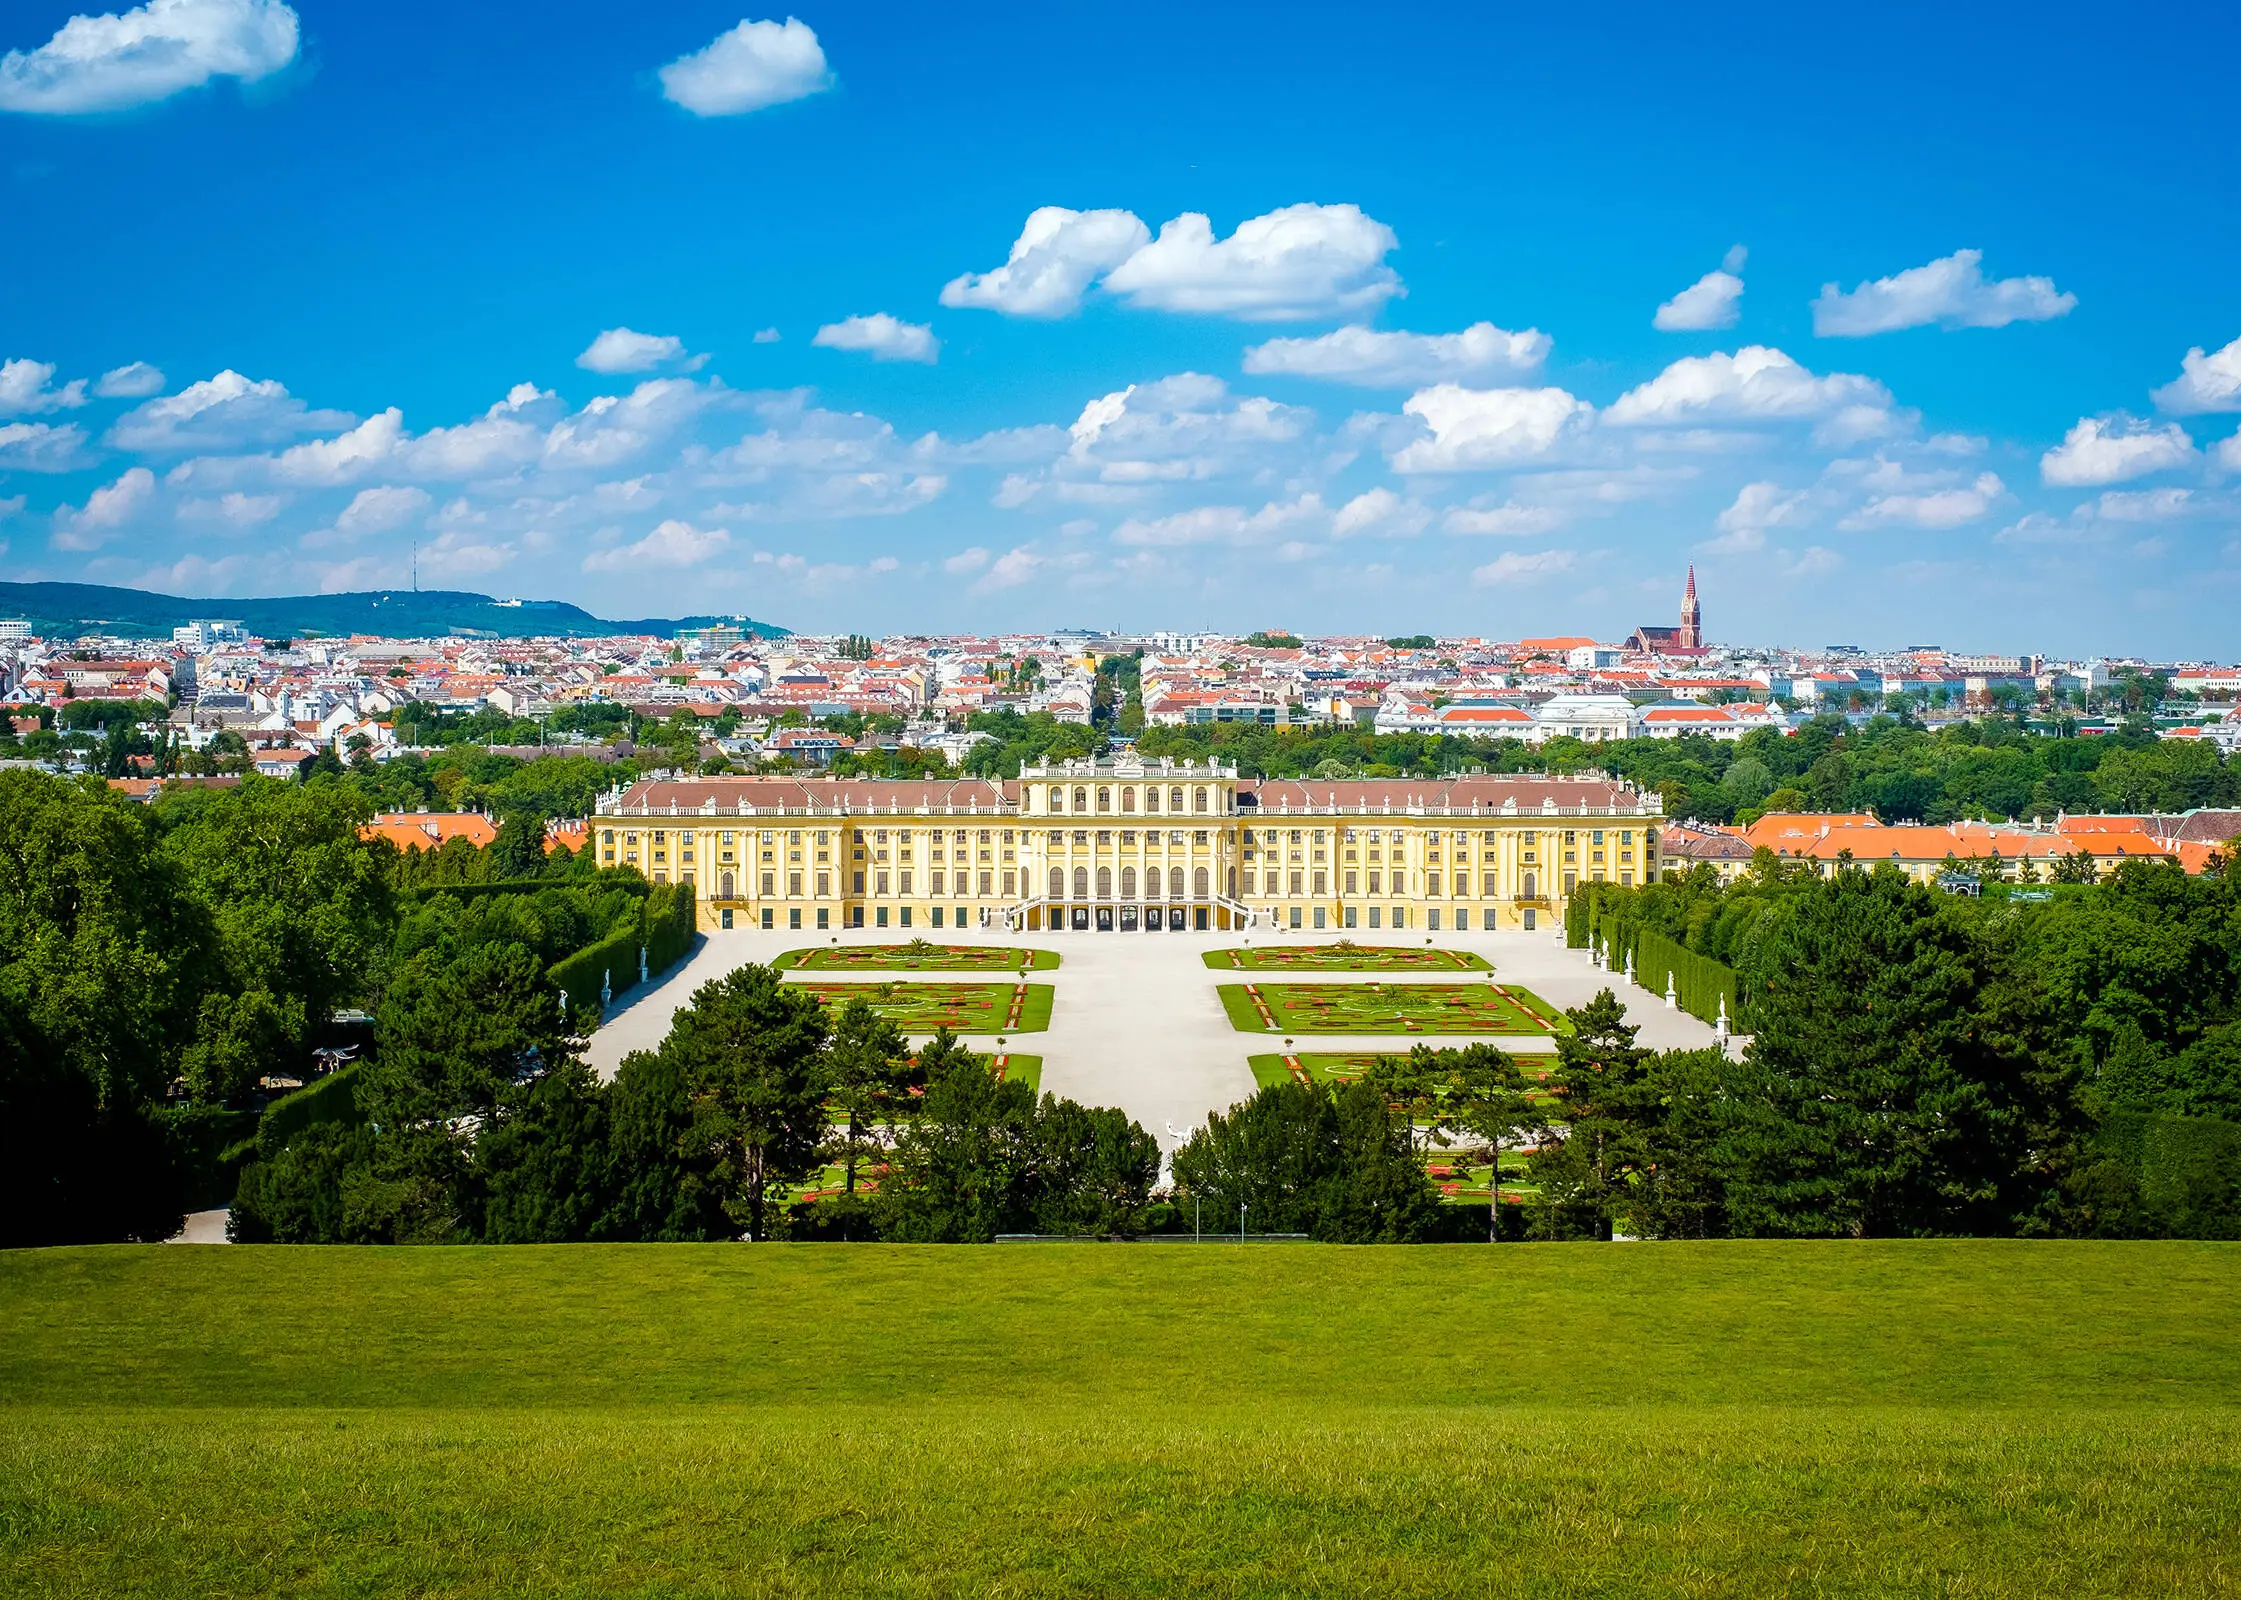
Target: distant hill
[(73, 608)]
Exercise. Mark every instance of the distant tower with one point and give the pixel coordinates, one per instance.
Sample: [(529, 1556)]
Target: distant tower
[(1692, 617)]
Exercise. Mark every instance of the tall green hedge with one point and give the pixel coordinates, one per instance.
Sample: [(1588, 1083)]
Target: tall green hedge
[(330, 1099), (2154, 1177), (1700, 984), (663, 929)]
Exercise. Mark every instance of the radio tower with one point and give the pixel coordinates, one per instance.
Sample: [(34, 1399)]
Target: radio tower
[(1692, 616)]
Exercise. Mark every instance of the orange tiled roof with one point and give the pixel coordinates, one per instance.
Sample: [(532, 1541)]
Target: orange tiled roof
[(426, 830)]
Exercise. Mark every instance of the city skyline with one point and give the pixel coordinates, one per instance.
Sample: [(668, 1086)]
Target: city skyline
[(606, 314)]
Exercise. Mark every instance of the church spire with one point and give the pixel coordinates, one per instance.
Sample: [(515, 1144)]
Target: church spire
[(1692, 616)]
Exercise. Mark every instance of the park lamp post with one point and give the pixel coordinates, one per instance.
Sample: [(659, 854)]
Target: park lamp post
[(1240, 1222)]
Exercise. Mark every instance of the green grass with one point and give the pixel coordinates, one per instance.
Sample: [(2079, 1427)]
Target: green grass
[(1976, 1419), (1024, 1069), (1429, 1009), (1346, 956), (908, 958), (977, 1008)]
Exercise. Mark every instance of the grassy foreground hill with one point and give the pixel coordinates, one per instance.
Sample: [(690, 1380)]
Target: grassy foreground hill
[(1829, 1419)]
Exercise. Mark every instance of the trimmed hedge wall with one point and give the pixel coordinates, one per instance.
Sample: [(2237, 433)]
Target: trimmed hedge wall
[(1596, 915), (333, 1098), (664, 929)]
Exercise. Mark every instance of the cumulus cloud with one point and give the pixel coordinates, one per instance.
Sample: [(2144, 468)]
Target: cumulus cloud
[(1481, 353), (2229, 453), (1936, 508), (1186, 428), (1506, 521), (379, 509), (40, 446), (134, 381), (1951, 291), (2111, 449), (1755, 383), (621, 350), (881, 337), (1009, 570), (1518, 567), (26, 387), (106, 510), (111, 62), (1478, 428), (767, 336), (234, 510), (2143, 505), (754, 65), (1380, 511), (2205, 383), (1713, 301), (1058, 255), (1223, 524), (967, 561), (673, 544), (1756, 508), (224, 412), (1297, 262)]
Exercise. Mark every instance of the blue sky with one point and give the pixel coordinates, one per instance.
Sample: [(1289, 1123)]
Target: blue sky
[(1348, 322)]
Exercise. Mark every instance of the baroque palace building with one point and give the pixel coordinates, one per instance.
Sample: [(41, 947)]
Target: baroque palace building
[(1131, 845)]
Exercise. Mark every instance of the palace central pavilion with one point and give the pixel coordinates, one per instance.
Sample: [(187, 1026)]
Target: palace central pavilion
[(1131, 846)]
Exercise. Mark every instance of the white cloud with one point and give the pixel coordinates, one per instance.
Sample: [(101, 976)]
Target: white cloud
[(1812, 562), (110, 62), (1506, 521), (1480, 353), (1937, 508), (1380, 511), (754, 65), (194, 575), (1298, 262), (621, 350), (2111, 449), (1754, 383), (1476, 428), (106, 510), (2143, 505), (12, 506), (882, 337), (234, 509), (1713, 301), (1185, 428), (135, 380), (970, 560), (377, 510), (1951, 291), (40, 446), (1518, 567), (1756, 508), (2205, 383), (1058, 255), (1011, 569), (2229, 453), (25, 388), (221, 413), (1223, 524), (673, 544)]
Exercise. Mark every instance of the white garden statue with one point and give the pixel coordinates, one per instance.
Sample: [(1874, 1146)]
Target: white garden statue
[(1672, 996)]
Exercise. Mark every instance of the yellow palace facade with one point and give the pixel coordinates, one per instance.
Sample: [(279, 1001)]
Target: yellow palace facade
[(1130, 845)]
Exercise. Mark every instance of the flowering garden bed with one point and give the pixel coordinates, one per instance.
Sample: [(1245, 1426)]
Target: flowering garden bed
[(1429, 1009), (975, 1008), (1345, 956)]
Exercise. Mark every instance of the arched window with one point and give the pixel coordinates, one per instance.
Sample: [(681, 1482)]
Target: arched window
[(1081, 883), (1152, 882), (1081, 799), (1198, 883), (1198, 799), (1151, 803), (1128, 800), (1175, 798), (1175, 882), (1531, 882), (1128, 883), (1104, 883), (1104, 798), (726, 892), (1058, 883), (1058, 800)]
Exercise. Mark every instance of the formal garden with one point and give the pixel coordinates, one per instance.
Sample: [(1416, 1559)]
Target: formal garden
[(1411, 1008), (1332, 1068), (1345, 956), (919, 955), (976, 1008)]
